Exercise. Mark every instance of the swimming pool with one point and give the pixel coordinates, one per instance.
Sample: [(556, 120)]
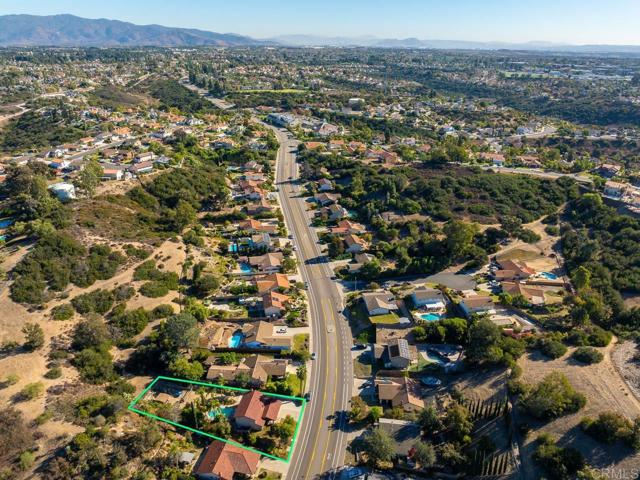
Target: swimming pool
[(235, 340), (430, 317), (6, 222), (549, 275), (245, 267), (226, 411), (233, 248), (435, 358)]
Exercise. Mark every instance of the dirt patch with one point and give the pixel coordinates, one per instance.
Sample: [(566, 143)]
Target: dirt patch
[(604, 389), (622, 357)]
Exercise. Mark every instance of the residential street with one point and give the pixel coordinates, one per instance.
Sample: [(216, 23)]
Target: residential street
[(321, 445)]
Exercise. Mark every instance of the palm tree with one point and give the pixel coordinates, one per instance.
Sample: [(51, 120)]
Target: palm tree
[(301, 373)]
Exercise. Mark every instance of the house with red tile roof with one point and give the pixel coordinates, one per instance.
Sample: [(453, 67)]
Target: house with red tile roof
[(256, 410), (275, 281), (222, 461), (274, 304)]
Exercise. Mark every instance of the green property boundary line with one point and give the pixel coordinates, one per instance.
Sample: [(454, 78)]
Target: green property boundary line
[(132, 407)]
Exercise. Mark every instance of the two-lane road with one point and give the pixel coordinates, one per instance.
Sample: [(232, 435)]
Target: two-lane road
[(321, 446)]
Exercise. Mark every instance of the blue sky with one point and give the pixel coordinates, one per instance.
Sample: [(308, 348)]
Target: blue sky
[(569, 21)]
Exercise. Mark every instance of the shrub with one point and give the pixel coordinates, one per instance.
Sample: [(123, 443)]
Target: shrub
[(558, 463), (608, 427), (588, 355), (553, 397), (162, 311), (34, 336), (90, 333), (95, 365), (53, 373), (552, 348), (98, 301), (135, 252), (62, 312), (154, 289), (32, 390), (131, 323), (11, 379), (26, 460), (205, 284), (122, 293), (552, 230)]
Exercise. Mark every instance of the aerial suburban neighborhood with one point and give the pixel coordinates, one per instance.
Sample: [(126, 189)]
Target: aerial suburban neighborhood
[(316, 257)]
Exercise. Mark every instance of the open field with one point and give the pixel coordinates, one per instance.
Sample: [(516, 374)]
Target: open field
[(604, 389)]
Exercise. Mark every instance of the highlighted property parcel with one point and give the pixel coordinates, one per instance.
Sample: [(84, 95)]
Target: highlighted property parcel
[(249, 419)]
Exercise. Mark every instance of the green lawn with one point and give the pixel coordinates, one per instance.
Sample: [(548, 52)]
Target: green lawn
[(294, 382), (301, 342), (389, 318)]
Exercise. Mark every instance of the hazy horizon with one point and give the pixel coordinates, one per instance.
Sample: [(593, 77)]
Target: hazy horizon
[(558, 22)]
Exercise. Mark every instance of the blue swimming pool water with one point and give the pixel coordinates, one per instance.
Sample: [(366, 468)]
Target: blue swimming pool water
[(430, 317), (245, 267), (435, 358), (6, 222), (226, 411), (549, 275), (235, 340), (233, 248)]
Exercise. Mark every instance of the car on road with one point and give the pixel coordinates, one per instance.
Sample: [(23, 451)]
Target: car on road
[(313, 356), (307, 396), (281, 330), (359, 346)]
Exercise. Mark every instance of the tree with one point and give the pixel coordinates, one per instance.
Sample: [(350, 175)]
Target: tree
[(284, 429), (429, 420), (484, 342), (458, 419), (34, 336), (424, 454), (90, 333), (89, 177), (301, 373), (581, 278), (15, 434), (205, 284), (184, 215), (95, 366), (511, 225), (359, 409), (182, 368), (459, 237), (379, 446), (180, 332)]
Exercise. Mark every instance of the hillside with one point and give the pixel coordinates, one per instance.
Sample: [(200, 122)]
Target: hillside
[(69, 30)]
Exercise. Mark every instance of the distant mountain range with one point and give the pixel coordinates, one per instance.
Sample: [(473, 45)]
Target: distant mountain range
[(69, 30), (72, 31), (369, 41)]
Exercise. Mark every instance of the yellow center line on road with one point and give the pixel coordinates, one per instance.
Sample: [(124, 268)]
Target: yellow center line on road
[(324, 401), (335, 390)]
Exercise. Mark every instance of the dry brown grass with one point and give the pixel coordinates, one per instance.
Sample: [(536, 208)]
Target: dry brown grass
[(604, 389)]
